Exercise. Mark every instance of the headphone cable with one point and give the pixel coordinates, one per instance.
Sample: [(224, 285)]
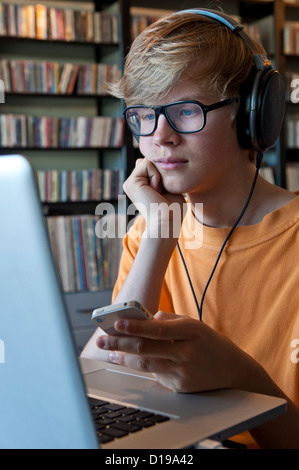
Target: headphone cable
[(199, 308)]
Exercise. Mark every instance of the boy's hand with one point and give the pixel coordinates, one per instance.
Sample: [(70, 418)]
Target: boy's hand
[(185, 355), (160, 209)]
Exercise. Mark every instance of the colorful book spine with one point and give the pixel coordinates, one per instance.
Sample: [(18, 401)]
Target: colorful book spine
[(83, 261)]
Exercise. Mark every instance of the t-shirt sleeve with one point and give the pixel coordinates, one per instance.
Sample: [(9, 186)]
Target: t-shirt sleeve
[(131, 243)]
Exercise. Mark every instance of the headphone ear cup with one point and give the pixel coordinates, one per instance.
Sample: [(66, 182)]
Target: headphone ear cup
[(261, 112), (270, 110), (243, 126)]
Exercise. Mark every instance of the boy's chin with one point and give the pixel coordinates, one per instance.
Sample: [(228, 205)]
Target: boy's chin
[(172, 187)]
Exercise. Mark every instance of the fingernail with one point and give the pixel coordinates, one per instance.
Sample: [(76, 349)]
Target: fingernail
[(113, 356), (121, 325), (102, 342)]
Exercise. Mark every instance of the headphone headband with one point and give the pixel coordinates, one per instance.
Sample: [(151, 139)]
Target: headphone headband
[(215, 15), (260, 60)]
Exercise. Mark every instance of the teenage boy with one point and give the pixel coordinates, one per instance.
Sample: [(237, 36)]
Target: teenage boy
[(182, 84)]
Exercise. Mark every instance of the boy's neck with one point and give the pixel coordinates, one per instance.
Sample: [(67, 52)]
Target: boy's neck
[(222, 208)]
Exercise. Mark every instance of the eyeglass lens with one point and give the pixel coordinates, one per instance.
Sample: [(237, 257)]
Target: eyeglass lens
[(184, 117)]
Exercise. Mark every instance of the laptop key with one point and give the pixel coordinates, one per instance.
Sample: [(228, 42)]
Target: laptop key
[(105, 420), (114, 432), (113, 407), (113, 415), (143, 414), (125, 418), (129, 411), (99, 412), (99, 426), (144, 423), (128, 427), (94, 402), (104, 438), (158, 418)]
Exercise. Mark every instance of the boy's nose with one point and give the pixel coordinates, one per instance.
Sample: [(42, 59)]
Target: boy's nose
[(165, 133)]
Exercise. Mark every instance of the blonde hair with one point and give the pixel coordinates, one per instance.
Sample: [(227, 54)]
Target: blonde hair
[(176, 44)]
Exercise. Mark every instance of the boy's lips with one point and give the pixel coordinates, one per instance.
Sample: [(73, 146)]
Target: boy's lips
[(170, 163)]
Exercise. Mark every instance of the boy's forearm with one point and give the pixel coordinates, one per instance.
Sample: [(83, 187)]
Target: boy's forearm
[(144, 281)]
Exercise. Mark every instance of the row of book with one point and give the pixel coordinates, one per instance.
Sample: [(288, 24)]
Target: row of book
[(85, 259), (291, 37), (19, 130), (292, 176), (27, 76), (263, 30), (90, 79), (143, 17), (79, 185), (292, 131), (65, 24), (140, 22)]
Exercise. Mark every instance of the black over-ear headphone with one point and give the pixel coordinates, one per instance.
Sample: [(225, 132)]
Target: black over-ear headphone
[(262, 96)]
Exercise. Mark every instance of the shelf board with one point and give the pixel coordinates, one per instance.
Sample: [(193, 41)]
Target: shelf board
[(57, 95), (291, 4), (4, 150), (72, 207), (58, 41)]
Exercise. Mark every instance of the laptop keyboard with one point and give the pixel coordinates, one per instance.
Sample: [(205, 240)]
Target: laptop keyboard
[(114, 421)]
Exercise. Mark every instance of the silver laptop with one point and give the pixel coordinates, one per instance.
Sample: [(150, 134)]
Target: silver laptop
[(43, 393)]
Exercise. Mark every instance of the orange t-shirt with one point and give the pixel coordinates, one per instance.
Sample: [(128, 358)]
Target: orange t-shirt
[(253, 297)]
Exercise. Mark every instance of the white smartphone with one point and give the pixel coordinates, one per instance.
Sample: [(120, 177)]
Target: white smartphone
[(105, 317)]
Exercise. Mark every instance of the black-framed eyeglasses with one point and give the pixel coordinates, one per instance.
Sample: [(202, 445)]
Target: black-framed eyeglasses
[(186, 116)]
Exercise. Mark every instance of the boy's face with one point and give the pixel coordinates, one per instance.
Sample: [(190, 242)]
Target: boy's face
[(195, 163)]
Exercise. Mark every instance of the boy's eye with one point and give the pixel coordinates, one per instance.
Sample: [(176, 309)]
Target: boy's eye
[(187, 112), (191, 111), (148, 116)]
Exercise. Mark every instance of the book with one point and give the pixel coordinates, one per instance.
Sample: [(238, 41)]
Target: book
[(41, 22), (292, 176), (267, 173), (82, 259), (143, 17), (291, 38)]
